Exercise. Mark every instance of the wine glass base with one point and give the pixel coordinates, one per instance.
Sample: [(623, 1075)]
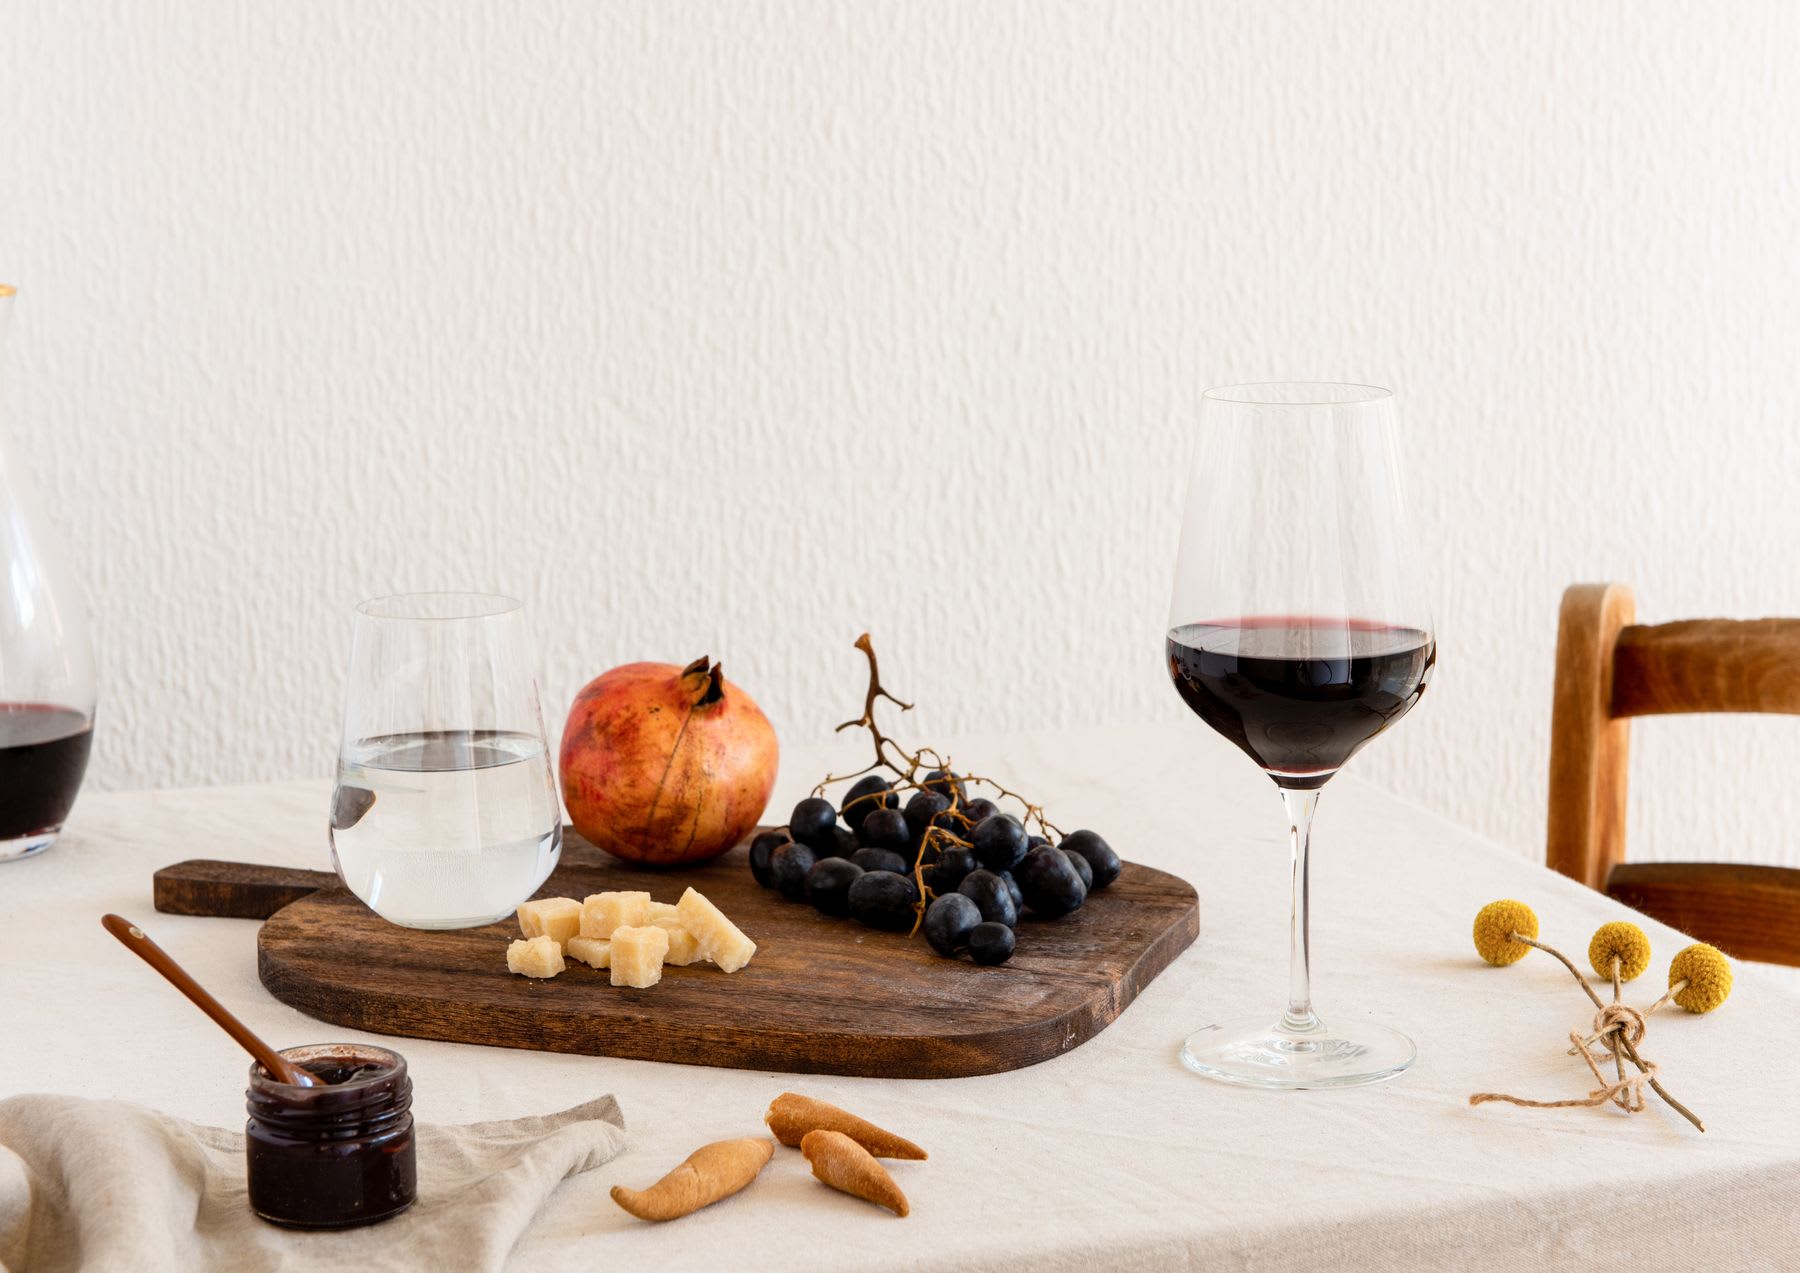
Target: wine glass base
[(1254, 1053), (26, 846)]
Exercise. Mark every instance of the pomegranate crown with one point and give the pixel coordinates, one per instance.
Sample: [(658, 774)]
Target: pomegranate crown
[(704, 681)]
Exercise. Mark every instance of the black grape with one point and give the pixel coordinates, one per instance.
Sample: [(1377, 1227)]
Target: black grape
[(761, 849), (1099, 854), (1012, 886), (944, 783), (1049, 883), (862, 799), (841, 843), (886, 829), (951, 868), (948, 921), (880, 860), (788, 867), (989, 892), (828, 885), (979, 808), (1082, 868), (999, 842), (811, 822), (990, 943), (920, 810), (885, 901)]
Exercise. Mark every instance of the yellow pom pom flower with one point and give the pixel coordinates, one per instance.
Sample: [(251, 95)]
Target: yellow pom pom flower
[(1624, 942), (1708, 976), (1495, 924)]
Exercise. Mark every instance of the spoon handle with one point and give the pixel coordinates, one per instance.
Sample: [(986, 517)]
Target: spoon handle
[(138, 943)]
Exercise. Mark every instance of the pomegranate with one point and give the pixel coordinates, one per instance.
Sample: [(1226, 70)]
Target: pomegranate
[(665, 765)]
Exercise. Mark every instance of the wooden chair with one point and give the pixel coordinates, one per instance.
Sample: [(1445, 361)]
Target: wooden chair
[(1608, 670)]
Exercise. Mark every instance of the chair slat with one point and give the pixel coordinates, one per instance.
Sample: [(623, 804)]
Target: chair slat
[(1749, 912), (1707, 665)]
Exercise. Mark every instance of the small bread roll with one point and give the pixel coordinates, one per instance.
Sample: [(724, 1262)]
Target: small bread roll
[(791, 1116), (708, 1174), (843, 1164)]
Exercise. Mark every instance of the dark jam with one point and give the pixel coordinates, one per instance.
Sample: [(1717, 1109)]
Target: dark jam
[(336, 1155)]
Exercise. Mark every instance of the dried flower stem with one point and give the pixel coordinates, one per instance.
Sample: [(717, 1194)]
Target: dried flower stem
[(1624, 1043)]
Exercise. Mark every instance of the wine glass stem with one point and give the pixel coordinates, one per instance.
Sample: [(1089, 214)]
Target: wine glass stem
[(1300, 1017)]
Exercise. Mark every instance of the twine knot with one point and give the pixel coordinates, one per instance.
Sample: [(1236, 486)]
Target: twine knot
[(1621, 1017), (1628, 1092)]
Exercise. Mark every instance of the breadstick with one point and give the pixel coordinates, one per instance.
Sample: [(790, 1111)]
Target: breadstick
[(843, 1164), (708, 1174), (791, 1116)]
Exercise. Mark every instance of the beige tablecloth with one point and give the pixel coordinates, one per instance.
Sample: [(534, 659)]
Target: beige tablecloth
[(1109, 1157), (105, 1185)]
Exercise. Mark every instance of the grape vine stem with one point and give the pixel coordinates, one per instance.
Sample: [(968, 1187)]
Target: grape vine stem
[(906, 766)]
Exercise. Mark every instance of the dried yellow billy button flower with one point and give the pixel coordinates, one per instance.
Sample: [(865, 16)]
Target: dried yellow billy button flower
[(1623, 941), (1707, 974), (1495, 925)]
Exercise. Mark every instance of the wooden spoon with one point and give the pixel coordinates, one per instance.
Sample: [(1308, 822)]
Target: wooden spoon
[(284, 1070)]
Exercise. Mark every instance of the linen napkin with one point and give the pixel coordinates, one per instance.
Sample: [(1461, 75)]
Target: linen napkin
[(90, 1184)]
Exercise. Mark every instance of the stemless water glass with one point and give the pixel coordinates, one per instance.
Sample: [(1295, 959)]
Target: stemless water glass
[(445, 813), (1299, 632)]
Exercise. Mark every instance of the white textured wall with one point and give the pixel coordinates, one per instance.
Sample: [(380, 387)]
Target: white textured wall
[(740, 327)]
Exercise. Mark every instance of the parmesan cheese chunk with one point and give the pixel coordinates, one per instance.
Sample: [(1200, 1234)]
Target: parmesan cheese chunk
[(637, 956), (589, 950), (684, 947), (720, 940), (601, 913), (558, 918)]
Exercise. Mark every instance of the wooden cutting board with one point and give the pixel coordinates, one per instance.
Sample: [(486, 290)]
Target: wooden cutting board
[(822, 996)]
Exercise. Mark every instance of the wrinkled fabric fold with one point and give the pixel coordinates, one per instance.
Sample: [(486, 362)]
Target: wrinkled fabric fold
[(105, 1185)]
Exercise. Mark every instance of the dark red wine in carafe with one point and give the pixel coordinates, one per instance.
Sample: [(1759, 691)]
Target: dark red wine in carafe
[(43, 755), (1300, 696)]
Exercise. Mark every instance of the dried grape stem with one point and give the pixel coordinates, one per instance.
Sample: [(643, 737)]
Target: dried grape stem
[(906, 767)]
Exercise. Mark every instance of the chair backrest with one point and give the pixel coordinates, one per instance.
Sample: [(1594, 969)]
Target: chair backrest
[(1608, 670)]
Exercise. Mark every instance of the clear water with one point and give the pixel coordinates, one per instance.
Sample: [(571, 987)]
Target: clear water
[(448, 829)]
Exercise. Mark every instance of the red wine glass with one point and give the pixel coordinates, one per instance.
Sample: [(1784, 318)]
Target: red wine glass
[(1298, 631)]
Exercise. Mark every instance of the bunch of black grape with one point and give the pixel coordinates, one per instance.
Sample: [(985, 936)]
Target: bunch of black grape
[(978, 865)]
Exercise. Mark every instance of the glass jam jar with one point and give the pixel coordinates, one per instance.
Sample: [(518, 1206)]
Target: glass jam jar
[(336, 1155)]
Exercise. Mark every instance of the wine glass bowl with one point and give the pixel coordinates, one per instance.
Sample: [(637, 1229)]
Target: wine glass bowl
[(1297, 631)]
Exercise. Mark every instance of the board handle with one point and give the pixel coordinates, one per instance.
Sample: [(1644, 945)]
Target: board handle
[(233, 890)]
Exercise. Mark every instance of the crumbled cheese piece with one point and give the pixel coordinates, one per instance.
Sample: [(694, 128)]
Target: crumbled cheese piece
[(535, 957)]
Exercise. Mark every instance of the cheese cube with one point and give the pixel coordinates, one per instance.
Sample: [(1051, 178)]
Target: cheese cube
[(637, 956), (558, 918), (603, 912), (589, 950), (662, 910), (536, 957), (720, 940), (684, 947)]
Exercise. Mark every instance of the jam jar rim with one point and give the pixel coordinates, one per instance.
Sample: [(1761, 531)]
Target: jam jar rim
[(394, 1064)]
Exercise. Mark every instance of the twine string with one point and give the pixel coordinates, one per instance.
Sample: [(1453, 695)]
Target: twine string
[(1619, 1027)]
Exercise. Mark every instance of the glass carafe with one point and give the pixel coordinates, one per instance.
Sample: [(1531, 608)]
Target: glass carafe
[(46, 665)]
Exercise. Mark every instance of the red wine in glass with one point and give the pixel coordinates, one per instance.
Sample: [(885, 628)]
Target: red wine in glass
[(1299, 695), (43, 755), (1298, 630)]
